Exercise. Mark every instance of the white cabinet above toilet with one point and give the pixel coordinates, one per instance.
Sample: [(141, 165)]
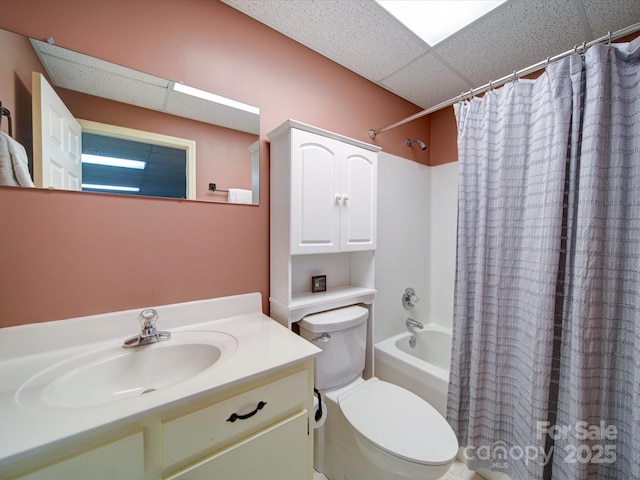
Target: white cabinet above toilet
[(323, 212), (324, 186), (333, 195)]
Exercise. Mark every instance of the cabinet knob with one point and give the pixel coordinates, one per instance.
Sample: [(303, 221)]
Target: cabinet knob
[(338, 197), (345, 197)]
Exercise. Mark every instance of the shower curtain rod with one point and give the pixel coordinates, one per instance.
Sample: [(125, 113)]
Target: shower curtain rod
[(514, 76)]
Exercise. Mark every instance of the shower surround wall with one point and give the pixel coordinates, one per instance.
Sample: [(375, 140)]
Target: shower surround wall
[(416, 243), (403, 240), (443, 214)]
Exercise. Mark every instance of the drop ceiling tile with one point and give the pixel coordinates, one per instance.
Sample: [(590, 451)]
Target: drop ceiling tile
[(358, 34), (105, 84), (47, 52), (514, 36), (426, 82), (611, 16), (93, 76), (188, 106)]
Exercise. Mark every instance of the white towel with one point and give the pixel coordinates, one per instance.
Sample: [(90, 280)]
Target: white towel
[(14, 164), (239, 195)]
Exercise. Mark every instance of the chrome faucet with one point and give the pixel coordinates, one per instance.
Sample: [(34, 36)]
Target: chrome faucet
[(148, 332), (412, 323)]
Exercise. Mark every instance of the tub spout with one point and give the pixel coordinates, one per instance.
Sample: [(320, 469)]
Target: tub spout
[(412, 323)]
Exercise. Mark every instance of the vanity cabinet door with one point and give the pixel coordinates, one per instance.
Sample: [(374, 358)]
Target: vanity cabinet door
[(120, 459), (273, 454)]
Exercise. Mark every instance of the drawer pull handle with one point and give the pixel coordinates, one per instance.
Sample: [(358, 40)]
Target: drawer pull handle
[(235, 416)]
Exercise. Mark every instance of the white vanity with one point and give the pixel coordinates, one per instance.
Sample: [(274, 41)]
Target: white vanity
[(229, 396)]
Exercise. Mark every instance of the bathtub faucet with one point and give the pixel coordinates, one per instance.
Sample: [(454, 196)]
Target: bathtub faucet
[(412, 323)]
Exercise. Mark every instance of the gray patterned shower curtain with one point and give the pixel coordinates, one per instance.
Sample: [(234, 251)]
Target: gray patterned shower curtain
[(545, 369)]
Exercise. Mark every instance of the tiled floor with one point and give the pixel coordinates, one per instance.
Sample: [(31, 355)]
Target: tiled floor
[(458, 471)]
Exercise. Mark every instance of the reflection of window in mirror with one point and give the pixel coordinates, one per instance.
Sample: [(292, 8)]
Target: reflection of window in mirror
[(134, 162), (118, 165)]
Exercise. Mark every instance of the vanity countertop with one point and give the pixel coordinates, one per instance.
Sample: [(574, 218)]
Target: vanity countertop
[(263, 345)]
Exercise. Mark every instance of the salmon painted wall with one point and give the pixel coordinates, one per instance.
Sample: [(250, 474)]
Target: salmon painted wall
[(444, 137), (67, 254)]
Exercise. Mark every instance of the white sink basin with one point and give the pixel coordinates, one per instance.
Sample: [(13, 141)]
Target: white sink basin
[(115, 373)]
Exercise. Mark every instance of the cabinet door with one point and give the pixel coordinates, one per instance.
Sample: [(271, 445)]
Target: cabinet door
[(121, 459), (278, 453), (359, 202), (315, 208)]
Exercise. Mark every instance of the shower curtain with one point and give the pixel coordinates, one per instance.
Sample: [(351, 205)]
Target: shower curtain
[(545, 370)]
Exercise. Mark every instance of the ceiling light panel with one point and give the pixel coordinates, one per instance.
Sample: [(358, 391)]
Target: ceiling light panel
[(112, 161), (212, 97), (435, 20), (110, 188)]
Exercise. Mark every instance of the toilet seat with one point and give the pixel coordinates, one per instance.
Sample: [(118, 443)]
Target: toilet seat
[(399, 422)]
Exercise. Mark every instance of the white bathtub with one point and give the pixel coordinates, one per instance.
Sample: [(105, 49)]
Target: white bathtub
[(423, 369)]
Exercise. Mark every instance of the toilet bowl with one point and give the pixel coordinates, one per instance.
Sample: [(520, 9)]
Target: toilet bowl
[(374, 430)]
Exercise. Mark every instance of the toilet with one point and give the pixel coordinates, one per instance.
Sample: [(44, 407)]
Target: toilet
[(374, 430)]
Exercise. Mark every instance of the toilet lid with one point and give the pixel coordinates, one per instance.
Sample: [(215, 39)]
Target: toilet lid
[(335, 320), (399, 422)]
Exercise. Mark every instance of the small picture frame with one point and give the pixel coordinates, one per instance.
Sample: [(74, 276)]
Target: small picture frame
[(319, 283)]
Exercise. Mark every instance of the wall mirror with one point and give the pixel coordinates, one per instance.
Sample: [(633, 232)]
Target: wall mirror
[(110, 99)]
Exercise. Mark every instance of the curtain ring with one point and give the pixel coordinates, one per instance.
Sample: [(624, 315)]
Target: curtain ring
[(490, 86), (584, 48), (609, 36), (547, 63), (515, 76)]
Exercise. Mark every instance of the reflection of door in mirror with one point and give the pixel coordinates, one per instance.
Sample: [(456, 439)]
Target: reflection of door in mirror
[(57, 140), (105, 158)]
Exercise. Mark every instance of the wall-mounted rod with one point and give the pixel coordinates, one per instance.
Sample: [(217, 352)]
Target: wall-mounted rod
[(214, 188), (508, 78)]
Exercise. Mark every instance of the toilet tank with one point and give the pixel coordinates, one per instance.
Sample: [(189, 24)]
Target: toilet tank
[(342, 336)]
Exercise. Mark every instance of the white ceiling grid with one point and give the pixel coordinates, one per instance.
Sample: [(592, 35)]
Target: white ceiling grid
[(363, 37)]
